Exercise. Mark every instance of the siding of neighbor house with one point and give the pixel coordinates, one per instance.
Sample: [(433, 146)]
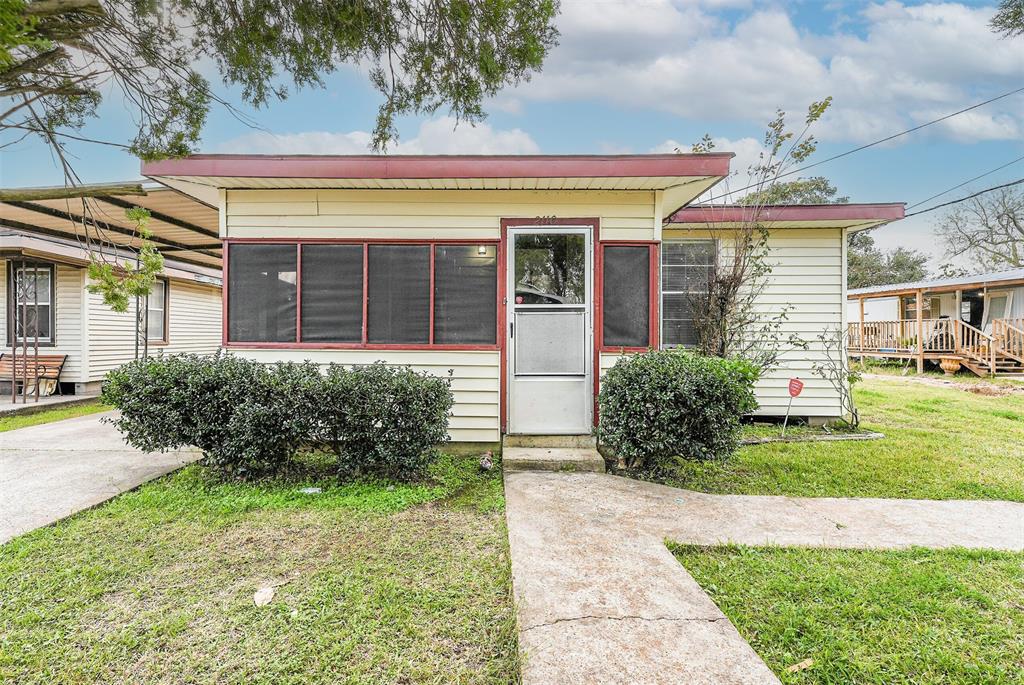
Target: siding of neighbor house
[(98, 340), (194, 318), (809, 275)]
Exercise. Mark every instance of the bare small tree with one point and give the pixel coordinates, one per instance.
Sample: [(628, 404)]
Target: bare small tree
[(728, 318), (987, 229), (836, 369)]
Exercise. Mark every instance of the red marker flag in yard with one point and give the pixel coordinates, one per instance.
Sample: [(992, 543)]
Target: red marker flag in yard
[(795, 386)]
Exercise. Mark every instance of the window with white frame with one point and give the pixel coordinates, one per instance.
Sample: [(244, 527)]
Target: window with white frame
[(686, 270), (30, 291), (156, 312)]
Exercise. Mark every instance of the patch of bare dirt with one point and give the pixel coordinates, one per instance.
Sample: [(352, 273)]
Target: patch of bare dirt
[(978, 387)]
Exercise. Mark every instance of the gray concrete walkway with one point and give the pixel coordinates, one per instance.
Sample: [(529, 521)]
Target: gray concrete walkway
[(53, 470), (601, 600)]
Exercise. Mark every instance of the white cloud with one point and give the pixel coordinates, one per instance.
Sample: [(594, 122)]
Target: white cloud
[(748, 153), (435, 136), (905, 66)]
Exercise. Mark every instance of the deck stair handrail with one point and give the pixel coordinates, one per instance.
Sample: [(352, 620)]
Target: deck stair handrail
[(976, 344), (1009, 338)]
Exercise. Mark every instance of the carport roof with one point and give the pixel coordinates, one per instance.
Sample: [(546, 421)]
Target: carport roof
[(182, 227)]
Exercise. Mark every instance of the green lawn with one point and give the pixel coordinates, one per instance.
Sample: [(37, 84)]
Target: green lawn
[(9, 423), (941, 443), (914, 616), (378, 584)]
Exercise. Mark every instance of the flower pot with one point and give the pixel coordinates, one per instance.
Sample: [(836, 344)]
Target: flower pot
[(950, 365)]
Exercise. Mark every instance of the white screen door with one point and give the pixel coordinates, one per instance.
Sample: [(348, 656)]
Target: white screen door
[(550, 330)]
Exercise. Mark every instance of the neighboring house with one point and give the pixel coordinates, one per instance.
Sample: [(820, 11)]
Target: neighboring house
[(977, 319), (525, 277), (43, 279)]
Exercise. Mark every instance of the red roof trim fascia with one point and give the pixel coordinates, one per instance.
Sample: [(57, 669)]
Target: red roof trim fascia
[(837, 212), (442, 166)]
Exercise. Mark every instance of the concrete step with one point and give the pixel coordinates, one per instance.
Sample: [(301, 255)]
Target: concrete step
[(552, 459), (574, 441)]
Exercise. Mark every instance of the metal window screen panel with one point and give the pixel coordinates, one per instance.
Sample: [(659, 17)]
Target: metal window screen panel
[(550, 343), (398, 294), (261, 293), (465, 294), (332, 293), (626, 296)]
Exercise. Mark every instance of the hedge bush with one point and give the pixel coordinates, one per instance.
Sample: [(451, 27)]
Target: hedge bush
[(249, 419), (383, 419), (662, 405)]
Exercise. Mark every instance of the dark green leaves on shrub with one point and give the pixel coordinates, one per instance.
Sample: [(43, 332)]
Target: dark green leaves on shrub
[(660, 405), (383, 419), (249, 418)]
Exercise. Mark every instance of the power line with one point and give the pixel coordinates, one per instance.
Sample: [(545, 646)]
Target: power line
[(970, 180), (964, 199), (883, 140)]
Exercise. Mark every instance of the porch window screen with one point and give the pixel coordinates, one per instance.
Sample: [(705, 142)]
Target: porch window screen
[(626, 296), (30, 290), (686, 269), (156, 310), (332, 293), (465, 294), (262, 293), (398, 294)]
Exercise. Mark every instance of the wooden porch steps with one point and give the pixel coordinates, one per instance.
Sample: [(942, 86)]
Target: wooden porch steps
[(1005, 366)]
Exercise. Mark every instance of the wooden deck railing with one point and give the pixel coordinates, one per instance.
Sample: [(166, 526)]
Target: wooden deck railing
[(901, 336), (950, 336)]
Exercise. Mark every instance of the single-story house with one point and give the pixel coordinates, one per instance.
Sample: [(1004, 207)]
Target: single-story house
[(525, 276), (49, 313), (977, 320)]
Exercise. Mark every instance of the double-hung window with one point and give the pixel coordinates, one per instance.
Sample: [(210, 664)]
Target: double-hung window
[(30, 291), (363, 293), (156, 312), (686, 270)]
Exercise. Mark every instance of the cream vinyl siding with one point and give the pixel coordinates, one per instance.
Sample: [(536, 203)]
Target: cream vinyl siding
[(808, 274), (475, 380), (67, 318), (428, 214), (195, 326)]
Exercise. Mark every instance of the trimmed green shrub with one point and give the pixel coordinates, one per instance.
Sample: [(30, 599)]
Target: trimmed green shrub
[(383, 419), (246, 417), (249, 418), (662, 405)]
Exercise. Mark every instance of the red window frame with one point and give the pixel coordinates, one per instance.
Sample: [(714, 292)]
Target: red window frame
[(364, 344), (653, 295)]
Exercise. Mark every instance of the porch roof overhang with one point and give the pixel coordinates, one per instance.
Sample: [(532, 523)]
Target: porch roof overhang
[(853, 217), (180, 226), (683, 177), (1011, 278)]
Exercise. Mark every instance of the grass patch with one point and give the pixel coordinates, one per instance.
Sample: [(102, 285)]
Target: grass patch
[(9, 423), (940, 443), (379, 583), (912, 616)]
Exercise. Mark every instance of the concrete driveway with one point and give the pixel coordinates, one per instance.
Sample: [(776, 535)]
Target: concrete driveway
[(53, 470)]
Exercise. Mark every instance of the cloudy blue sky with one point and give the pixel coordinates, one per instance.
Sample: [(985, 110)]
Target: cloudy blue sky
[(651, 75)]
